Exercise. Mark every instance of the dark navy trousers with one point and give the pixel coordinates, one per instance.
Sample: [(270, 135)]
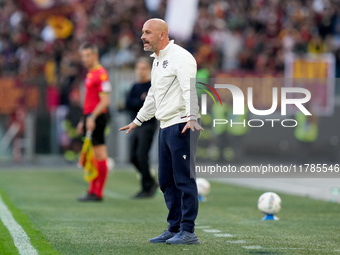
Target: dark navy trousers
[(176, 176)]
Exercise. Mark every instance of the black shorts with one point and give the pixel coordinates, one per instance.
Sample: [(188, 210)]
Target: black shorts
[(98, 134)]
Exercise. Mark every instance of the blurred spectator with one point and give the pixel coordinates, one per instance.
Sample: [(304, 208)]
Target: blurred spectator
[(18, 120), (337, 62), (306, 133), (316, 45), (231, 49)]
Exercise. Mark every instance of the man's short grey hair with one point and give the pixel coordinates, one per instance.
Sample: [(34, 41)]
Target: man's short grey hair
[(144, 60), (88, 45)]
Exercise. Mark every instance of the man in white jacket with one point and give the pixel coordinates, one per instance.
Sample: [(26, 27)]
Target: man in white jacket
[(172, 99)]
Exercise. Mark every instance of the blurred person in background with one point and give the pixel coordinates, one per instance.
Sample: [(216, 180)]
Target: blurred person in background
[(232, 47), (18, 121), (306, 133), (317, 45), (69, 125), (141, 139), (95, 117)]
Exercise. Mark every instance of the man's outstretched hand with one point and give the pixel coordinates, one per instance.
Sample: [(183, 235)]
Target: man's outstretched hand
[(129, 127), (193, 125)]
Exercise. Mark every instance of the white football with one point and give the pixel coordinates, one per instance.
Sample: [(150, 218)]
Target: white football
[(203, 186), (110, 164), (269, 203)]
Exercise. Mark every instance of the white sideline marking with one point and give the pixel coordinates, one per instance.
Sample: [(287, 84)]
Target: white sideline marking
[(278, 248), (212, 230), (237, 241), (202, 227), (288, 248), (21, 240), (223, 235), (252, 247)]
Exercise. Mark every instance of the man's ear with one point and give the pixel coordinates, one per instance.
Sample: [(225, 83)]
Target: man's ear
[(162, 35)]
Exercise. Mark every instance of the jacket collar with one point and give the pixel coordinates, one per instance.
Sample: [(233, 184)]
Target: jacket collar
[(164, 51)]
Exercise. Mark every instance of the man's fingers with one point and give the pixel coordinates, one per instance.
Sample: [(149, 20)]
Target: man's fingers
[(196, 127), (192, 127), (129, 130), (185, 129), (124, 128), (200, 128)]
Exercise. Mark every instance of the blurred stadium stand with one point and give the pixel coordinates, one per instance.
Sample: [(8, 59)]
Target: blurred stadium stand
[(41, 75)]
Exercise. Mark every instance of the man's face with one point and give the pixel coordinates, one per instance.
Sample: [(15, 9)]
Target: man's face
[(142, 71), (88, 57), (150, 37)]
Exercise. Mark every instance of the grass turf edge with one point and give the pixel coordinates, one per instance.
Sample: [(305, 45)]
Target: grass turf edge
[(37, 239), (7, 245)]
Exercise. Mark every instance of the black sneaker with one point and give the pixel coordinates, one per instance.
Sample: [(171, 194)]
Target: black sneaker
[(89, 198), (146, 194), (183, 237), (141, 194), (153, 190), (162, 238)]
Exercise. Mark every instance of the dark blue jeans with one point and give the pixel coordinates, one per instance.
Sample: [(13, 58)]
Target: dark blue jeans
[(176, 175)]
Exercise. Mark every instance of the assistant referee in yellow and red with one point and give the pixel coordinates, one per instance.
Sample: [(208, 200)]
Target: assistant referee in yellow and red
[(95, 117)]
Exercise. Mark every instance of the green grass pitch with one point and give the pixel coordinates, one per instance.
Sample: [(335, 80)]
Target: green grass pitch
[(43, 202)]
